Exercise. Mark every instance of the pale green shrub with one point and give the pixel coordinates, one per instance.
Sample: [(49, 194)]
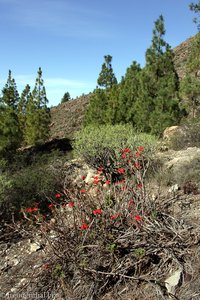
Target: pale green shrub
[(93, 139)]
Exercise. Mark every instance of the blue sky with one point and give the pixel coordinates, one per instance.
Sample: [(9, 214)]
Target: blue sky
[(69, 38)]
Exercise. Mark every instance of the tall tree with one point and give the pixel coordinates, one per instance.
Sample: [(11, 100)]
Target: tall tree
[(9, 130), (32, 124), (107, 77), (96, 111), (39, 91), (10, 95), (9, 126), (37, 114), (159, 85), (128, 94), (22, 106)]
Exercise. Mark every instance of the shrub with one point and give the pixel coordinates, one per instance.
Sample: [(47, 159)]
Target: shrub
[(93, 140), (30, 184), (111, 235)]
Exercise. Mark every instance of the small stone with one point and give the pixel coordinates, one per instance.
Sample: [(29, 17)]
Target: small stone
[(34, 247), (172, 281)]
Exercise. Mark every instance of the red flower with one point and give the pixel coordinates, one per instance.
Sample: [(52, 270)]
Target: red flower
[(126, 150), (107, 182), (50, 205), (83, 177), (114, 216), (84, 226), (139, 185), (58, 195), (137, 165), (83, 191), (34, 209), (97, 211), (28, 210), (96, 179), (137, 154), (131, 202), (100, 169), (123, 155), (141, 148), (120, 170), (138, 218), (71, 204)]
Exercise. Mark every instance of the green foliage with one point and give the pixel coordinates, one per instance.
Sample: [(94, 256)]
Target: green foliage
[(103, 102), (9, 126), (22, 108), (128, 95), (39, 91), (107, 77), (66, 97), (36, 129), (9, 130), (113, 106), (10, 95), (93, 139), (157, 105), (24, 184), (96, 111)]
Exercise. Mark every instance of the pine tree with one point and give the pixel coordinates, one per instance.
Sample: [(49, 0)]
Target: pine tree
[(39, 91), (22, 106), (159, 102), (113, 107), (128, 94), (37, 114), (9, 130), (96, 112), (66, 97), (107, 77), (10, 95), (9, 126), (32, 124)]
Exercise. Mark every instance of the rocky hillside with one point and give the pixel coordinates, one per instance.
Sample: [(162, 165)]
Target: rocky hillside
[(68, 117), (181, 52)]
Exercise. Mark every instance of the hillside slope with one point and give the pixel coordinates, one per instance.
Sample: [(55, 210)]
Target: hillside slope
[(68, 117)]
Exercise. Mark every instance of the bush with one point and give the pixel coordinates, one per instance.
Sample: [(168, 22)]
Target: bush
[(111, 234), (92, 140), (29, 185)]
